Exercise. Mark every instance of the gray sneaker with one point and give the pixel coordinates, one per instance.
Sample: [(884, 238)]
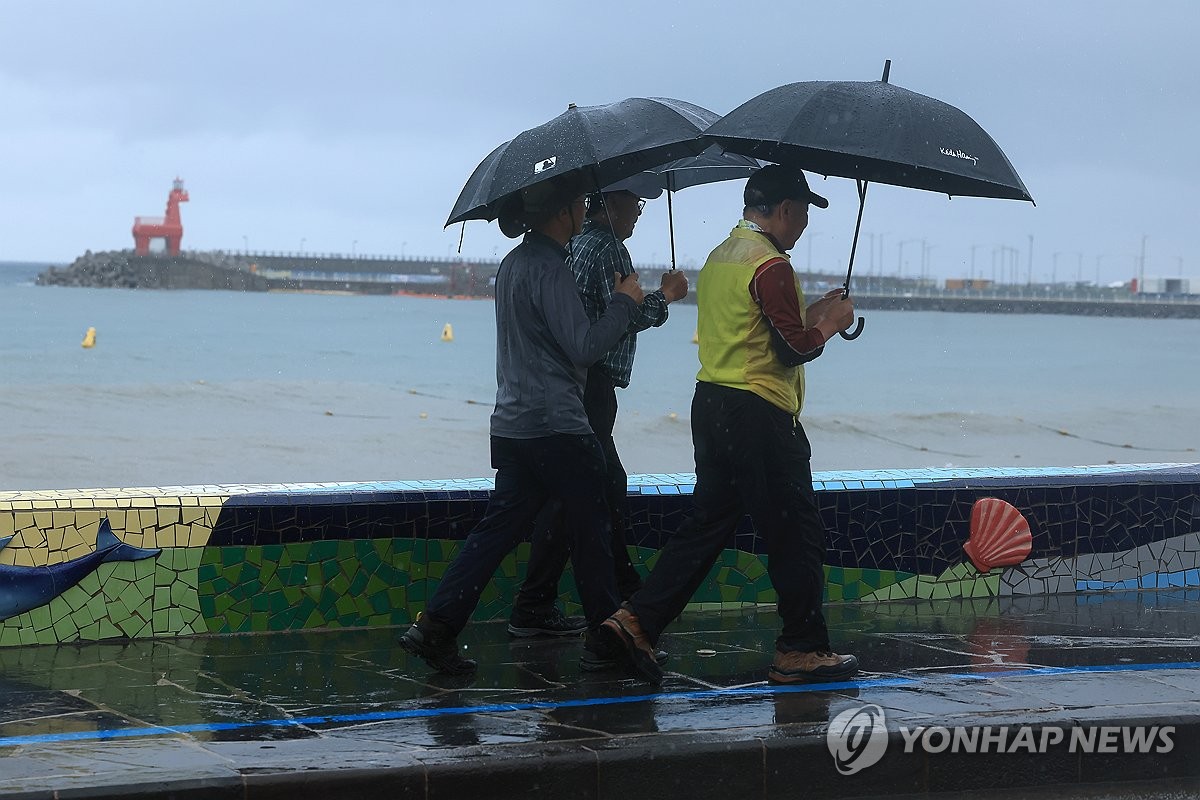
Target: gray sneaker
[(439, 652), (599, 656), (552, 623)]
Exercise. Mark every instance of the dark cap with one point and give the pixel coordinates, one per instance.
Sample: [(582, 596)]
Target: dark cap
[(775, 183), (529, 207)]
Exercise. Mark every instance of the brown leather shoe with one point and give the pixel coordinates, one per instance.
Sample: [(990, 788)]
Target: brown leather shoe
[(624, 631), (797, 667)]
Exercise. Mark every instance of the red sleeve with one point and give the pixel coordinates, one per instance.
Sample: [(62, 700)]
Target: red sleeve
[(774, 289)]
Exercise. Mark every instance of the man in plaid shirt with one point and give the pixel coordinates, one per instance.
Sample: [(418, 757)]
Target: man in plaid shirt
[(598, 255)]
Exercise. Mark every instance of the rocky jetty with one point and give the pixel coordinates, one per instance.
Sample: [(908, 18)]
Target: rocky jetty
[(123, 270)]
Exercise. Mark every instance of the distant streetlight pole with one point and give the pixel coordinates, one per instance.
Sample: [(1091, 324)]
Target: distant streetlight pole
[(403, 247), (1054, 268), (245, 244), (302, 241), (1030, 265), (354, 249), (1142, 265)]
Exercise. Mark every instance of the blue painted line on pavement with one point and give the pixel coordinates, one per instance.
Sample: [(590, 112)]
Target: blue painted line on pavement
[(497, 708)]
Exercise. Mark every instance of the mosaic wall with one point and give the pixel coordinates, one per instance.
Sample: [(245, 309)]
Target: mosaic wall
[(113, 563)]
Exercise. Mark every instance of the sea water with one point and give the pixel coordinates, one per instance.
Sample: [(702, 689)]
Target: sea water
[(210, 387)]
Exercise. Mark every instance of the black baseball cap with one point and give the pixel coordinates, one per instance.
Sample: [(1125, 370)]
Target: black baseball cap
[(775, 183)]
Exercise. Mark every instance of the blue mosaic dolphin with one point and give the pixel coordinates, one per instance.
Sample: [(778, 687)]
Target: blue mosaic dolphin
[(23, 588)]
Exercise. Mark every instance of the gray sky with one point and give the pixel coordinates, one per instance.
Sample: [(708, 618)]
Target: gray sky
[(353, 125)]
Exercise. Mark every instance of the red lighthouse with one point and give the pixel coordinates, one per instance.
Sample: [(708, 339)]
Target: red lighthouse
[(169, 227)]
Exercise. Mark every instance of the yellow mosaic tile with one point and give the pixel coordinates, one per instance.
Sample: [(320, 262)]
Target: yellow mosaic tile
[(22, 557)]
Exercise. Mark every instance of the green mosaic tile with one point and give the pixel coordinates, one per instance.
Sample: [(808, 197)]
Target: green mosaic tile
[(40, 619), (322, 550), (380, 604), (65, 630), (9, 636)]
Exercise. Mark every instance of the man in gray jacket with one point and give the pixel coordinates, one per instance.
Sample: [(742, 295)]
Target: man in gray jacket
[(542, 445)]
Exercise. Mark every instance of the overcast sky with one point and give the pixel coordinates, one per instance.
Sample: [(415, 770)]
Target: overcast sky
[(352, 126)]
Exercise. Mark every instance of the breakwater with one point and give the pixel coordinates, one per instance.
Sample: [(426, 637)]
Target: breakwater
[(462, 277)]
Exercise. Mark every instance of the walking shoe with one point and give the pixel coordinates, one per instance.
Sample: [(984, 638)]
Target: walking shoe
[(797, 667), (439, 652), (552, 623), (622, 630), (599, 655)]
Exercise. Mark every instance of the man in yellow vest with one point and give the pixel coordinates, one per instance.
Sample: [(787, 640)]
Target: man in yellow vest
[(752, 455)]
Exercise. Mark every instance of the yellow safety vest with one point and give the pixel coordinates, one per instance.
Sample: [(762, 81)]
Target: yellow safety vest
[(734, 337)]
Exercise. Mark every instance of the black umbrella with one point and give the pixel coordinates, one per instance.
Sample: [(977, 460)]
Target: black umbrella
[(711, 166), (609, 143), (870, 131)]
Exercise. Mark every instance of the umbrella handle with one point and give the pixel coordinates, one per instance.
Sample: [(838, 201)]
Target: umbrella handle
[(854, 334)]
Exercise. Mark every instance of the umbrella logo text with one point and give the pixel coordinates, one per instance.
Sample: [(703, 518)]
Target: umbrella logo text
[(946, 151), (544, 165)]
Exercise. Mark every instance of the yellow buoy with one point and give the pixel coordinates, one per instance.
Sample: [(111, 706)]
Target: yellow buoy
[(447, 333), (89, 338)]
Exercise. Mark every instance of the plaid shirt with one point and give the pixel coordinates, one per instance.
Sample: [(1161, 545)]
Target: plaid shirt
[(595, 256)]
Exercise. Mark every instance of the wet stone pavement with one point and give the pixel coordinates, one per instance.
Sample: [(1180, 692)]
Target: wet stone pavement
[(345, 714)]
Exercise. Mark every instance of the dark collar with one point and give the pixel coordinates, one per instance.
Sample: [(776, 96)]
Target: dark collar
[(542, 240)]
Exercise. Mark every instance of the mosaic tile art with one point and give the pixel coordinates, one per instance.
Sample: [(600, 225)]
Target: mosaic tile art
[(166, 561)]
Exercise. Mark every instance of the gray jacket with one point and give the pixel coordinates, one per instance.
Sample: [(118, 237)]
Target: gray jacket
[(545, 342)]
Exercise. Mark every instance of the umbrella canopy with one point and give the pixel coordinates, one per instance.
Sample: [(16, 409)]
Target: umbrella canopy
[(871, 131), (608, 142), (711, 166)]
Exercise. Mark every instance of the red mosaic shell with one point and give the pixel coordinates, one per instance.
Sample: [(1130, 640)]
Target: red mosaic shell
[(1000, 535)]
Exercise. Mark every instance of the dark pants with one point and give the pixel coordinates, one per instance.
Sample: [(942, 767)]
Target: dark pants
[(552, 536), (528, 473), (750, 457)]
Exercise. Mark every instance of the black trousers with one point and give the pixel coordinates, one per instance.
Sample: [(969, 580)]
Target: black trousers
[(751, 457), (528, 473), (551, 546)]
